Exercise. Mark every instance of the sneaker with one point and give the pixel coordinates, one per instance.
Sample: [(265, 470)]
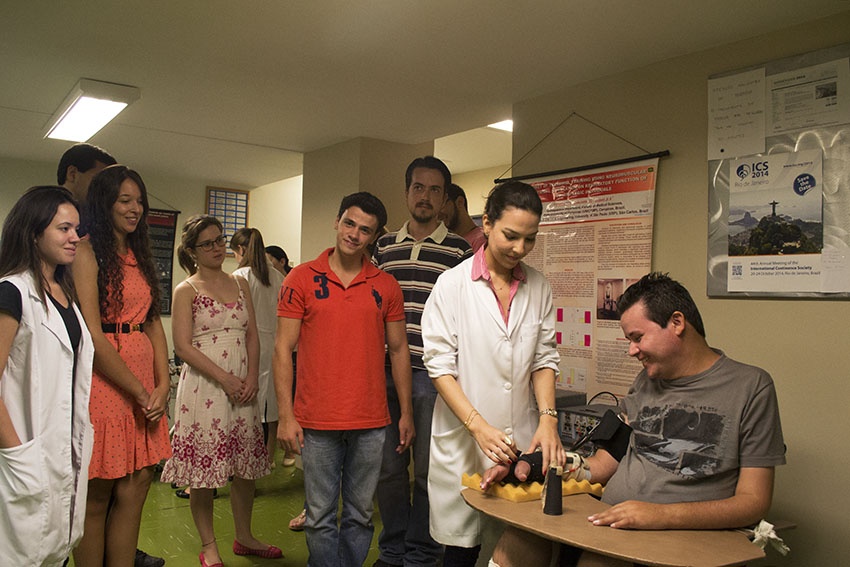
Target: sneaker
[(145, 560)]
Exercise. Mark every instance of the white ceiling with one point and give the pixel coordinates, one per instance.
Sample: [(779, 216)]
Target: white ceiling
[(235, 92)]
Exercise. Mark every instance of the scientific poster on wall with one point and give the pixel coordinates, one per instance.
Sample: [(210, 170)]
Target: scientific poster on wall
[(595, 240)]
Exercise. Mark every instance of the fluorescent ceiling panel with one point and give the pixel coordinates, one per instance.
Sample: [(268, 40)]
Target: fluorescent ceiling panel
[(89, 107)]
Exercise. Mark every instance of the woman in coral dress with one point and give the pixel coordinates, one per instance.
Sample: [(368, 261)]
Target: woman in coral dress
[(217, 427), (118, 292)]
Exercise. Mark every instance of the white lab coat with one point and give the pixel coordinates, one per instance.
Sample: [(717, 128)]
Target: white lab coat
[(265, 314), (43, 482), (465, 336)]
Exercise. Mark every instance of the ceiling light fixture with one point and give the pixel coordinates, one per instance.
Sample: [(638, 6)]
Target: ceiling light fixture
[(89, 107), (506, 125)]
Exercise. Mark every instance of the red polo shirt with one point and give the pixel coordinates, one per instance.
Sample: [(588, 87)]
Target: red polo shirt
[(341, 381)]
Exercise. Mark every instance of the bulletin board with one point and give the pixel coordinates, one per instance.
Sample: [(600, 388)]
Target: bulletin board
[(230, 206), (162, 228), (779, 178)]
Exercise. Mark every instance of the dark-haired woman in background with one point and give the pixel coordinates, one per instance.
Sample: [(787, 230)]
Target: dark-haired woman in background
[(264, 282), (45, 355), (489, 336), (278, 258), (119, 296)]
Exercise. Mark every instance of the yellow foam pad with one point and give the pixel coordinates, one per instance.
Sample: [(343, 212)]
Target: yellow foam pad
[(531, 490)]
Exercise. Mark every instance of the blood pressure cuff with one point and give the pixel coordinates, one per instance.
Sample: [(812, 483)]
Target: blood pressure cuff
[(612, 434)]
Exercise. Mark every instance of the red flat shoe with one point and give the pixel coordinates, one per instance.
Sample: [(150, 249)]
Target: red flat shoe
[(271, 552), (205, 564)]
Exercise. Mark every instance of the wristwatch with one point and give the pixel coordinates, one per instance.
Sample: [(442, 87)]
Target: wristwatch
[(549, 411)]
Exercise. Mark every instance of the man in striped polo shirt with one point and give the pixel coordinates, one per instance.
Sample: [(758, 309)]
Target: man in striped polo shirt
[(421, 250)]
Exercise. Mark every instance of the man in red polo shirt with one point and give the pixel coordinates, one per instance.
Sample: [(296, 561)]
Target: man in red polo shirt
[(341, 312)]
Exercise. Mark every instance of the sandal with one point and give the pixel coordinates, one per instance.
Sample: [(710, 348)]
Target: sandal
[(296, 524)]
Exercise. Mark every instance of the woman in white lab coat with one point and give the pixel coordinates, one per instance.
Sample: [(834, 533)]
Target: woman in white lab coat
[(489, 337), (46, 356), (264, 282)]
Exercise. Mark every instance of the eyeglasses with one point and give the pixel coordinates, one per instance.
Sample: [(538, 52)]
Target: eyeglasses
[(208, 245)]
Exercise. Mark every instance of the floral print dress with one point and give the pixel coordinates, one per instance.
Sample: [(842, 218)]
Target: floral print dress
[(215, 438)]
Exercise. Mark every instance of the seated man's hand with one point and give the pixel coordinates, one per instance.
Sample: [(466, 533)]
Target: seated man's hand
[(493, 475), (517, 471), (522, 470), (631, 515)]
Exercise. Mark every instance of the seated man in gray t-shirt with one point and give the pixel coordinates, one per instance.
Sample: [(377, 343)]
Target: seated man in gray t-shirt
[(706, 432)]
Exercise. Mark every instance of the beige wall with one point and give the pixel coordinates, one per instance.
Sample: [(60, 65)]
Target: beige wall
[(16, 176), (329, 174), (802, 343), (363, 164), (477, 185), (275, 209)]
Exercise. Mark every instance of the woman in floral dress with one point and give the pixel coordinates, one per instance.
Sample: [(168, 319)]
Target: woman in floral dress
[(217, 428)]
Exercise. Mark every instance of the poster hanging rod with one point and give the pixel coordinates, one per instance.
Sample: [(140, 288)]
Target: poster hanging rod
[(660, 154)]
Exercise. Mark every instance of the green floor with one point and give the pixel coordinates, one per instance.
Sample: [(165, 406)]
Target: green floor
[(168, 530)]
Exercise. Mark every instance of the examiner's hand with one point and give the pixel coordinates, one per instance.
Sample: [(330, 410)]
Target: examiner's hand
[(546, 440), (497, 445)]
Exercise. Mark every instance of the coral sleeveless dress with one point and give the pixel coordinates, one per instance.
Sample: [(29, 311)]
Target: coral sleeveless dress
[(124, 441)]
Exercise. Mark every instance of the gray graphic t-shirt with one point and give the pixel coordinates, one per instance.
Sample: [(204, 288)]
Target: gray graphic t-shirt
[(693, 434)]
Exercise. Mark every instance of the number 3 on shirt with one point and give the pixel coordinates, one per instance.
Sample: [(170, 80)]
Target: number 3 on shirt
[(323, 292)]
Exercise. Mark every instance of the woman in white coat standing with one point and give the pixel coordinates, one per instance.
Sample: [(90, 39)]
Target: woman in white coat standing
[(264, 281), (489, 337), (46, 355)]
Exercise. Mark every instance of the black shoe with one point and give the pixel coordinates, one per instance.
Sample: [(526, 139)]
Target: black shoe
[(145, 560), (183, 494)]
